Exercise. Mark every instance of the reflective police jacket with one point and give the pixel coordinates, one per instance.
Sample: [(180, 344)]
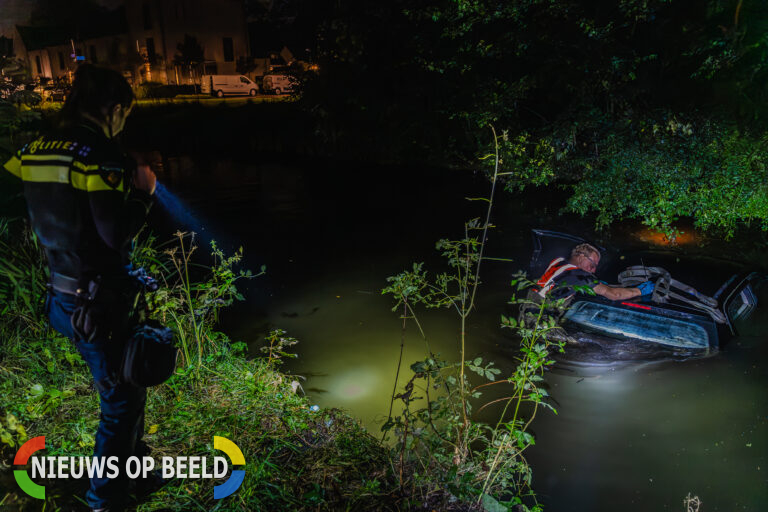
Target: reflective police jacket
[(83, 209)]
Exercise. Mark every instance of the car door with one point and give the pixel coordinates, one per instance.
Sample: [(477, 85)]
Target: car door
[(548, 245), (245, 85)]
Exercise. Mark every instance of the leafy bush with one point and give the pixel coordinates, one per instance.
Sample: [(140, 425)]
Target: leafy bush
[(713, 174), (574, 83), (190, 303), (23, 276), (157, 90), (46, 388), (442, 453), (655, 170)]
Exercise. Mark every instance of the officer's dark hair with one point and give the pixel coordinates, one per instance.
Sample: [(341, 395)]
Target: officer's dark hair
[(95, 91)]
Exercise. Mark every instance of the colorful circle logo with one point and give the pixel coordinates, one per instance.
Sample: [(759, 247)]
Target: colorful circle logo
[(21, 475), (235, 480)]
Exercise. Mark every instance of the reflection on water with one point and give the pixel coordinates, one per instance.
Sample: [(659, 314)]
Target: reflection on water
[(632, 436), (640, 437)]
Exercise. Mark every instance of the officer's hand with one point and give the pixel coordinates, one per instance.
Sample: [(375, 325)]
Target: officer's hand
[(145, 179), (646, 288)]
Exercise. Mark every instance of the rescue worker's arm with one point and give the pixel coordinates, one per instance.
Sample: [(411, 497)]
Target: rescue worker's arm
[(616, 293), (118, 216)]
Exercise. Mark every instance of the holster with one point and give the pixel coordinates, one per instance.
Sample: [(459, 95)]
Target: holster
[(103, 310)]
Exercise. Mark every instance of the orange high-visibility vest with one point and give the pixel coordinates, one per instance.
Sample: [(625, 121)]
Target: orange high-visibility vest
[(554, 270)]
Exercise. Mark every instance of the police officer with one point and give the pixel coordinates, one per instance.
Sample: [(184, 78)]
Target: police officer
[(86, 201)]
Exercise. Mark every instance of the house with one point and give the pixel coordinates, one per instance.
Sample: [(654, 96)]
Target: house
[(55, 52), (141, 39), (159, 27)]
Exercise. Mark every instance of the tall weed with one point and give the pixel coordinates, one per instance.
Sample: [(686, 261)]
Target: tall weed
[(440, 446)]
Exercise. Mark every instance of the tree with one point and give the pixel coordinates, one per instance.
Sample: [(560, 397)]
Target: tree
[(190, 55), (643, 108)]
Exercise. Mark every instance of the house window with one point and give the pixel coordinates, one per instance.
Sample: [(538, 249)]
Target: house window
[(39, 65), (62, 65), (229, 50), (147, 14), (92, 53)]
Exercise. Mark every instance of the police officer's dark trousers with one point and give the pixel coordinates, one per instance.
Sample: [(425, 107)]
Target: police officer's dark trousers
[(122, 405)]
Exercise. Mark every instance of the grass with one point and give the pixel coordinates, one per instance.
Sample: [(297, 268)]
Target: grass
[(296, 458), (209, 101)]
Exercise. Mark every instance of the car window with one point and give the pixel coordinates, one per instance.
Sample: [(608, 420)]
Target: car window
[(244, 80), (617, 322), (742, 304)]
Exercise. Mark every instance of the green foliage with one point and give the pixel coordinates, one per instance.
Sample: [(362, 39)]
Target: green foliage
[(277, 342), (662, 172), (190, 304), (471, 460), (12, 433), (586, 92), (442, 453), (655, 170), (46, 388), (16, 118), (23, 275)]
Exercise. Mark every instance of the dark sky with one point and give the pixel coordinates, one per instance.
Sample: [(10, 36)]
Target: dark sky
[(16, 12)]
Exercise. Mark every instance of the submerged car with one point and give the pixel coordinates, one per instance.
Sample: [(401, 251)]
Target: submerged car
[(677, 319)]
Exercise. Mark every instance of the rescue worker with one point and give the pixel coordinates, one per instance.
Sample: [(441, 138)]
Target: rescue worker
[(579, 270), (558, 281), (86, 201)]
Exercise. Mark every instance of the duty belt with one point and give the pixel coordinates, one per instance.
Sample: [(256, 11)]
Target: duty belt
[(64, 284)]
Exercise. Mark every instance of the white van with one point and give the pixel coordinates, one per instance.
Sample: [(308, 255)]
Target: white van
[(278, 84), (226, 85)]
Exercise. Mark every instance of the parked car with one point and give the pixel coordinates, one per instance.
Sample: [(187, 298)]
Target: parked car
[(676, 318), (278, 84), (228, 85)]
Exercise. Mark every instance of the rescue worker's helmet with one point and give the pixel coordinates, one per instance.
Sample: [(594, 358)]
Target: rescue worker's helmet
[(149, 358)]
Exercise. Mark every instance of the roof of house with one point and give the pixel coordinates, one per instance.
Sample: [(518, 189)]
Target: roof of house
[(108, 23), (36, 38)]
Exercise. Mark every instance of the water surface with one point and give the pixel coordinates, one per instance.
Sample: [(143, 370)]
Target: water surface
[(630, 436)]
